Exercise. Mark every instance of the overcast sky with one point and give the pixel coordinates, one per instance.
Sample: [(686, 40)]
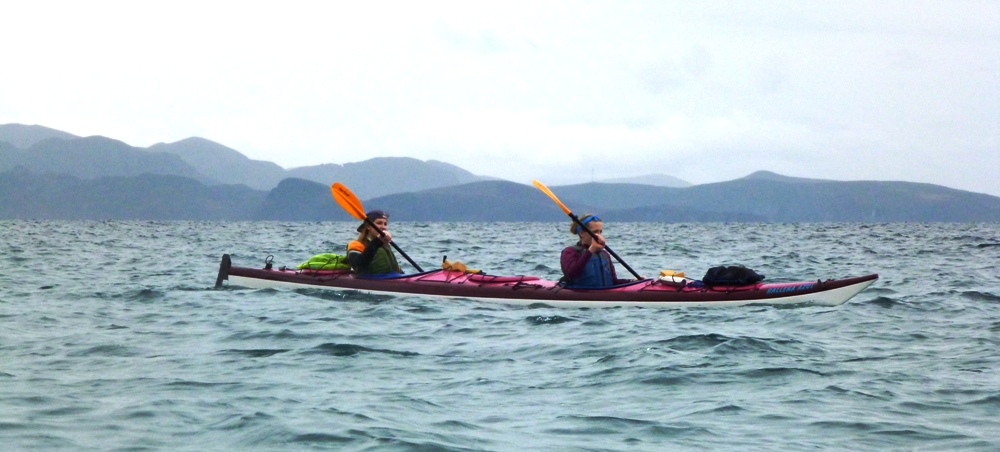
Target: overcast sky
[(559, 91)]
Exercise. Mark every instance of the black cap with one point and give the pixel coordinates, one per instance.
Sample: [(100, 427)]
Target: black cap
[(372, 216)]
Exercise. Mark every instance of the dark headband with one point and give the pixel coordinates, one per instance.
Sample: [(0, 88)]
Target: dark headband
[(586, 220)]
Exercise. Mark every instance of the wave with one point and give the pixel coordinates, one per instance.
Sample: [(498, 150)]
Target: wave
[(111, 350), (200, 384), (980, 296), (867, 358), (728, 408), (548, 319), (671, 431), (992, 401), (256, 352), (323, 438), (884, 302), (7, 426), (343, 295), (352, 349), (886, 395), (925, 407), (774, 372), (613, 421), (920, 435), (240, 422), (852, 426), (674, 380), (394, 443), (282, 334), (695, 341), (146, 295), (65, 411)]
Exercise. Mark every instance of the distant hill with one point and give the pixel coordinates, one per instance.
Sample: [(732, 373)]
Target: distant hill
[(868, 201), (781, 199), (381, 176), (45, 150), (48, 174), (6, 147), (300, 200), (461, 175), (26, 195), (223, 164), (767, 175), (25, 136), (656, 180), (616, 196), (94, 157), (477, 201), (677, 214)]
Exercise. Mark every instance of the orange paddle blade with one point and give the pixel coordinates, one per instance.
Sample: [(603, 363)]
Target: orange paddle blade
[(546, 190), (346, 198)]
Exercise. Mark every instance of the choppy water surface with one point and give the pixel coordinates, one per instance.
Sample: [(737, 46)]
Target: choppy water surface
[(112, 338)]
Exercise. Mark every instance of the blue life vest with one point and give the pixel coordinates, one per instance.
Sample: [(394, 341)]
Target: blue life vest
[(596, 274)]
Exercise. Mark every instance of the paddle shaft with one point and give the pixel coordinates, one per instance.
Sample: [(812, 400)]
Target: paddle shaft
[(396, 247), (607, 248)]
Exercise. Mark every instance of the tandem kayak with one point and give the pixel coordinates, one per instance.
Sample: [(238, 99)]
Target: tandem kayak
[(526, 290)]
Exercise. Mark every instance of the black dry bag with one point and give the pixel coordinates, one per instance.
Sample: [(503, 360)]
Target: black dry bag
[(735, 275)]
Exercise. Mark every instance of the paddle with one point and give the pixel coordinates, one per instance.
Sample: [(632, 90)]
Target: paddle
[(583, 227), (346, 198)]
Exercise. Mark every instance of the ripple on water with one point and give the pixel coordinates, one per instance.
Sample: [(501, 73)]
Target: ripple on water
[(756, 346), (548, 319), (884, 302), (110, 350), (321, 438), (256, 353), (695, 341), (145, 295), (352, 349), (980, 296), (991, 401), (280, 334), (778, 372)]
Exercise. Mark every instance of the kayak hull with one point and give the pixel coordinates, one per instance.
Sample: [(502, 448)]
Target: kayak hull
[(528, 290)]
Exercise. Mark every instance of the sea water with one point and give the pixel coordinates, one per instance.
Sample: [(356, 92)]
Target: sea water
[(112, 337)]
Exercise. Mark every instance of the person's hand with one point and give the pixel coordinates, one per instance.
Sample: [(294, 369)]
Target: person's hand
[(386, 237), (597, 244)]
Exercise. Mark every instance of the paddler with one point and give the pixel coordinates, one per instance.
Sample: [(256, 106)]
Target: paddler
[(587, 264), (371, 254)]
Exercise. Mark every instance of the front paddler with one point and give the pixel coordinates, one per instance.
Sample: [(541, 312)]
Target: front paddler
[(587, 264), (371, 254)]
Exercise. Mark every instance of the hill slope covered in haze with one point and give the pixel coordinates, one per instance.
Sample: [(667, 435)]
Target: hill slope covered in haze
[(61, 176)]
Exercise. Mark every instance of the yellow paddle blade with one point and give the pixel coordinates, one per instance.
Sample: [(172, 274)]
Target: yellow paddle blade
[(346, 198), (546, 190)]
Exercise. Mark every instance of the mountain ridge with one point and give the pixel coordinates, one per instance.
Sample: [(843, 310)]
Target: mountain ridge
[(215, 163), (83, 171)]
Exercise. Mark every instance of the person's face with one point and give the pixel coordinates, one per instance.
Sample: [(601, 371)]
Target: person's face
[(381, 223), (597, 227)]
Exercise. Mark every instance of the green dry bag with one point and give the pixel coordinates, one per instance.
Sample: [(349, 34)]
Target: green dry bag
[(325, 261)]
